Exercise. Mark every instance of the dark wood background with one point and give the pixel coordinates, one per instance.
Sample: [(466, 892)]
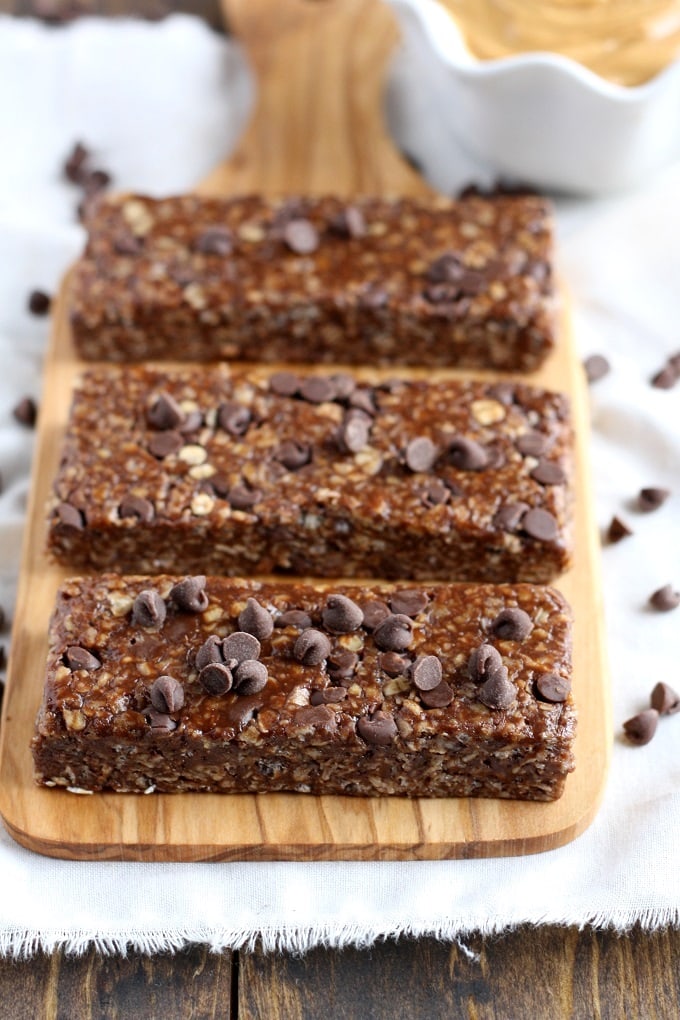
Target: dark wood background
[(544, 972)]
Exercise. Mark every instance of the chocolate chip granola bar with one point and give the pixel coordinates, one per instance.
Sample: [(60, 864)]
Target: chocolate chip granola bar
[(171, 684), (213, 470), (465, 282)]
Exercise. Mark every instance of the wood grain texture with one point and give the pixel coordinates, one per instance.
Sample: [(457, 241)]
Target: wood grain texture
[(325, 132)]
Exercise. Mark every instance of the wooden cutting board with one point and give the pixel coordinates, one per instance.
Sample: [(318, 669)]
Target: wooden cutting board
[(317, 127)]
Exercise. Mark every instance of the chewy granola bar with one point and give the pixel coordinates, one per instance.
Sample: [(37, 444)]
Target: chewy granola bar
[(171, 684), (215, 470), (441, 282)]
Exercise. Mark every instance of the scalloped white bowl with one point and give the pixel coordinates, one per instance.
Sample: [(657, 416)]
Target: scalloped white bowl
[(540, 117)]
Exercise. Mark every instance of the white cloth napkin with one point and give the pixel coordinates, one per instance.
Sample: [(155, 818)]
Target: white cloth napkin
[(160, 105)]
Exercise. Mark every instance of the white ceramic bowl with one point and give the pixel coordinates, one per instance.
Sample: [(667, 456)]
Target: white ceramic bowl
[(539, 117)]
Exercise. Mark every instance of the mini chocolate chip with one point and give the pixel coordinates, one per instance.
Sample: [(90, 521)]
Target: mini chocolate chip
[(284, 384), (618, 530), (250, 677), (192, 422), (342, 664), (531, 444), (165, 413), (380, 729), (39, 302), (26, 412), (665, 700), (301, 236), (312, 647), (167, 694), (439, 697), (393, 664), (665, 599), (548, 473), (317, 389), (426, 672), (552, 687), (242, 497), (509, 516), (293, 618), (354, 432), (434, 493), (410, 601), (540, 524), (503, 392), (255, 620), (328, 696), (446, 268), (216, 678), (497, 692), (161, 723), (164, 444), (374, 613), (95, 180), (241, 646), (596, 367), (344, 385), (421, 453), (665, 379), (364, 400), (512, 625), (394, 634), (190, 595), (136, 506), (68, 517), (642, 727), (79, 658), (234, 418), (467, 455), (341, 615), (215, 241), (293, 454), (75, 163), (210, 651), (349, 222), (148, 609), (484, 661), (652, 498)]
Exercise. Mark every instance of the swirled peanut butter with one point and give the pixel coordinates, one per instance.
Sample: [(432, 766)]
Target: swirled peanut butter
[(625, 41)]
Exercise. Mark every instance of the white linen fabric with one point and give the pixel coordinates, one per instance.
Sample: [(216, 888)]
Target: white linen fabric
[(160, 105)]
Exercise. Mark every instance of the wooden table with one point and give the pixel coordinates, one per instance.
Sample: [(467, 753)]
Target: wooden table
[(531, 972)]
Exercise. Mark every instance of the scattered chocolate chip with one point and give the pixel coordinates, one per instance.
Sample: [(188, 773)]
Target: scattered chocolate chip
[(284, 384), (665, 599), (241, 646), (374, 613), (317, 717), (445, 268), (552, 687), (503, 392), (148, 609), (312, 647), (161, 723), (75, 163), (293, 618), (665, 379), (548, 473), (409, 601), (618, 530), (426, 672), (164, 413), (652, 498), (344, 385), (596, 367), (190, 595), (234, 418), (317, 389), (364, 400), (484, 662), (241, 496), (255, 620), (349, 222), (380, 729), (342, 664), (25, 412), (210, 651), (434, 493), (665, 700), (127, 244), (215, 241), (328, 696), (69, 517), (216, 678), (167, 694), (439, 697), (467, 455), (293, 454), (512, 625), (164, 444), (354, 431), (341, 615), (531, 444), (39, 302), (393, 664), (497, 692), (642, 727), (301, 236), (250, 677), (394, 634), (509, 516), (136, 506), (94, 181), (420, 454), (540, 524), (79, 658)]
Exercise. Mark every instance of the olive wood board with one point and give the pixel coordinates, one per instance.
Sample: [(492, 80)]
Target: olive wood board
[(317, 128)]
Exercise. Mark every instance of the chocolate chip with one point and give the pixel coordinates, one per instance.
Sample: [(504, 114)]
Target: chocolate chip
[(439, 697), (421, 453), (540, 524), (293, 618), (255, 620), (467, 455), (234, 418), (241, 646), (393, 664), (165, 413), (161, 723), (394, 634), (216, 678), (127, 244), (215, 241), (210, 651), (75, 163), (434, 493), (364, 400), (317, 389), (503, 392), (69, 517), (596, 367), (328, 696), (531, 444), (618, 530), (548, 473), (39, 302), (312, 647), (242, 497), (552, 687), (250, 677), (190, 595), (293, 454), (167, 694), (25, 412), (497, 692), (94, 181), (164, 444), (484, 662), (284, 384), (409, 601), (136, 506), (380, 729), (665, 599), (148, 609), (652, 498), (342, 664), (426, 672), (301, 236), (445, 268), (79, 658), (508, 516), (317, 717), (665, 700), (665, 379), (512, 625), (349, 222), (341, 615), (642, 727), (344, 385), (374, 613), (354, 432)]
